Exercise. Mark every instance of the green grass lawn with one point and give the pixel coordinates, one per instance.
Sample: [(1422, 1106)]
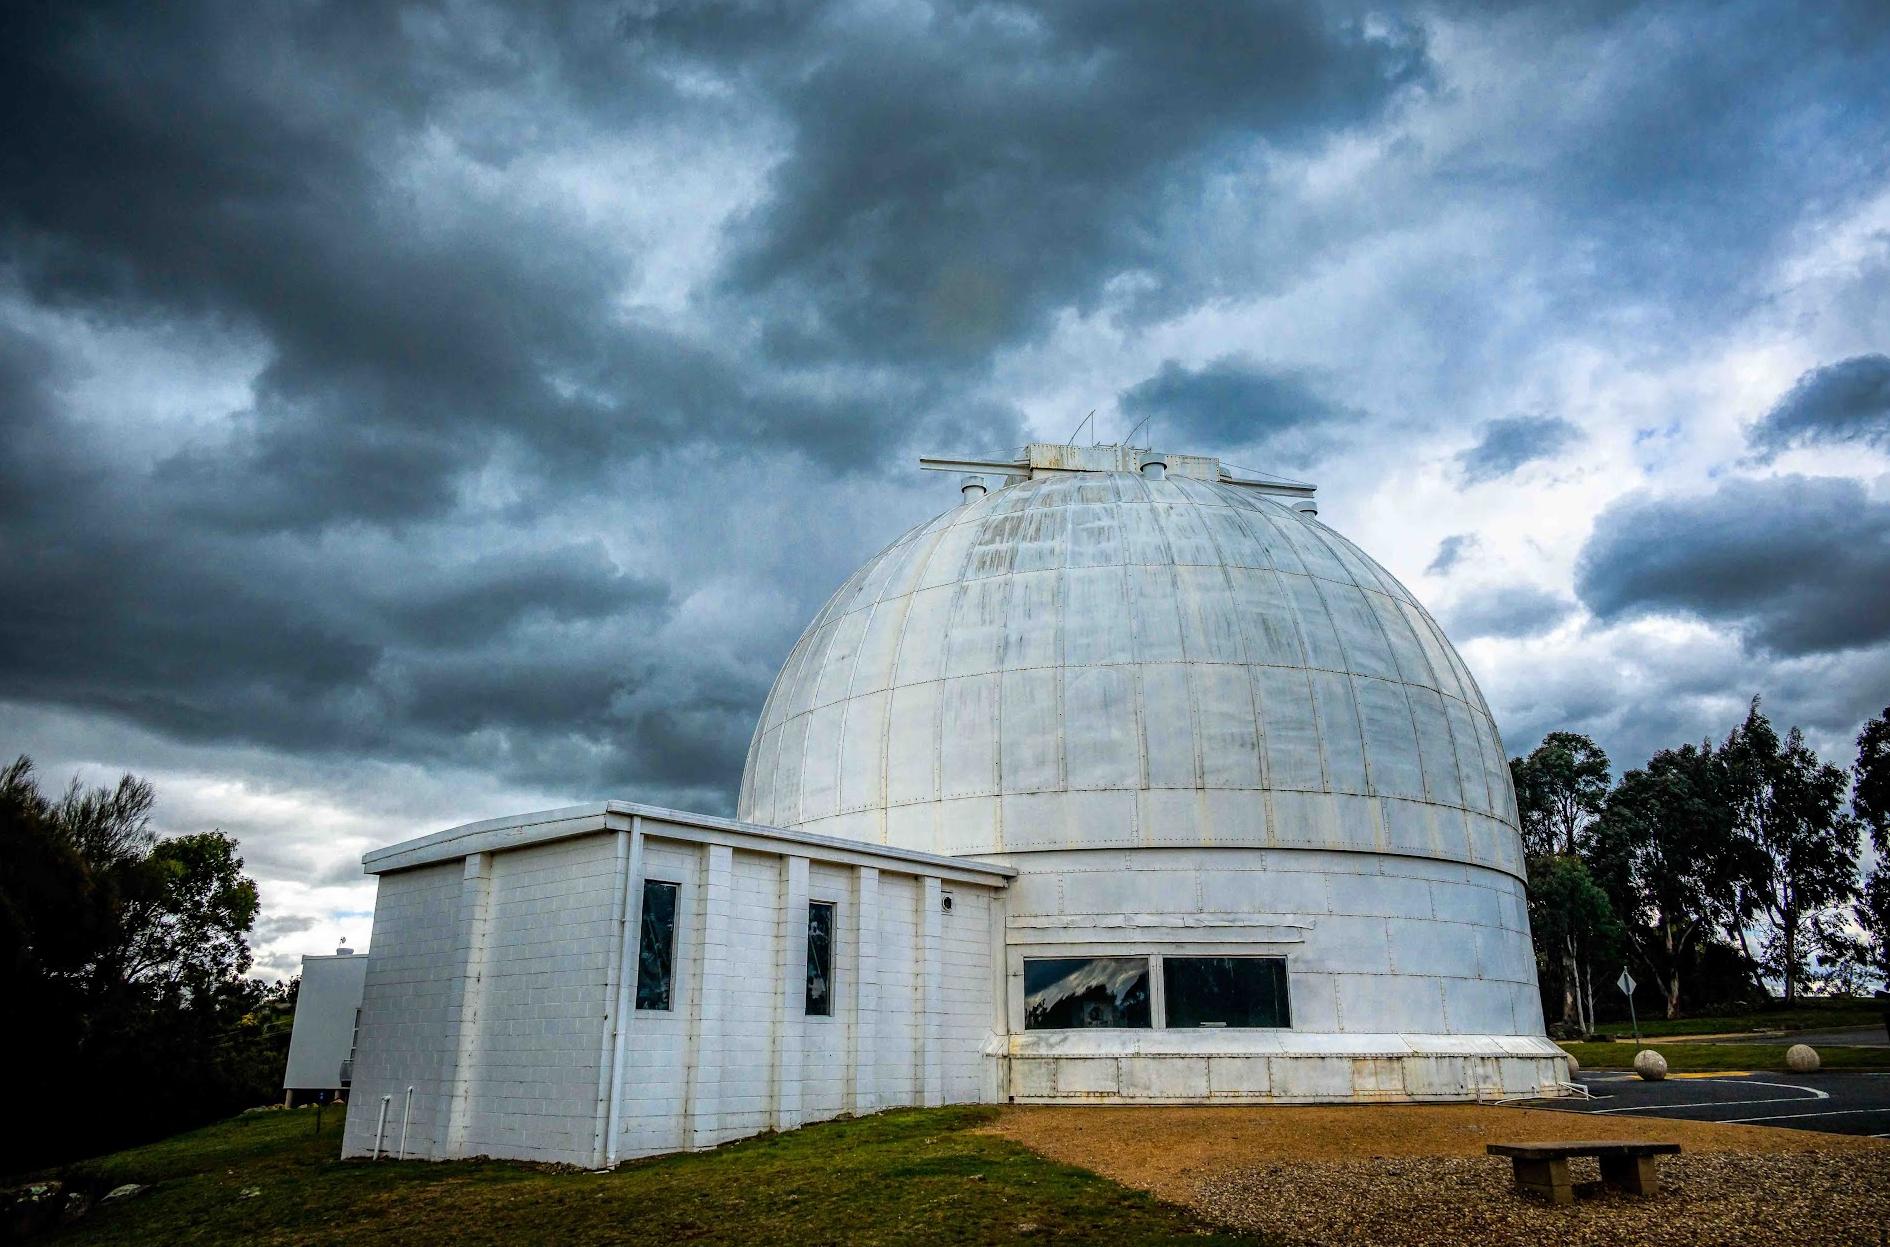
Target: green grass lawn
[(1701, 1058), (1808, 1015), (909, 1176)]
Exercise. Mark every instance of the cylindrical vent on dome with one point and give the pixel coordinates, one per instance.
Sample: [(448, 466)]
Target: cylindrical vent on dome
[(1154, 467), (972, 487), (1306, 506)]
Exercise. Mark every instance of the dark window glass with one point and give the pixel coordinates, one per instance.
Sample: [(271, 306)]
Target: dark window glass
[(1068, 993), (820, 959), (1225, 991), (656, 945)]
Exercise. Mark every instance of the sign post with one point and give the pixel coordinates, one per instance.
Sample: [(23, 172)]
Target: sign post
[(1626, 984)]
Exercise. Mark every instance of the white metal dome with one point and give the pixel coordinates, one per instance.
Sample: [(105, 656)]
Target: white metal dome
[(1103, 659)]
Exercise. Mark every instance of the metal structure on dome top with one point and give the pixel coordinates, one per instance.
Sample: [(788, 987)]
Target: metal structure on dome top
[(1042, 459)]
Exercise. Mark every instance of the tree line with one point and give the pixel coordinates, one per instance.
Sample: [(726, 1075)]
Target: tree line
[(124, 963), (1714, 872)]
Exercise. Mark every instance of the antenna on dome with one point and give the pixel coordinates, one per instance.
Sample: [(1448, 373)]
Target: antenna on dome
[(1130, 439), (1079, 429)]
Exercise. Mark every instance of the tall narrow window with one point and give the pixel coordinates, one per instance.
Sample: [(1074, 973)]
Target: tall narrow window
[(820, 959), (1074, 993), (656, 945), (1225, 991)]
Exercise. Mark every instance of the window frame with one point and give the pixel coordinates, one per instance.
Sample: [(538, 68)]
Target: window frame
[(833, 959), (1286, 986), (1149, 973), (675, 926), (1014, 1011)]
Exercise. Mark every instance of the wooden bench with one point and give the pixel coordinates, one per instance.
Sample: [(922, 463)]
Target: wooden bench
[(1542, 1168)]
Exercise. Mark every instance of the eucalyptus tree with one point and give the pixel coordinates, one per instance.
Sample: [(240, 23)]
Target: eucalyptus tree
[(1665, 851), (1800, 843), (1870, 802), (1560, 790), (1561, 787)]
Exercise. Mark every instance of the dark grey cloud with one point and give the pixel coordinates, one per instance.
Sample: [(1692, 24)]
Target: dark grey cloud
[(1797, 565), (483, 501), (1510, 611), (157, 163), (1232, 403), (1507, 444), (959, 171), (1848, 401), (1451, 551), (1703, 134)]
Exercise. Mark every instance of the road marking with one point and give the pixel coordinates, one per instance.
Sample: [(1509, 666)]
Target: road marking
[(1814, 1094), (1724, 1073), (1836, 1112)]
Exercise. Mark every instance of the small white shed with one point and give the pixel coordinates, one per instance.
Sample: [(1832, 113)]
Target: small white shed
[(327, 1010)]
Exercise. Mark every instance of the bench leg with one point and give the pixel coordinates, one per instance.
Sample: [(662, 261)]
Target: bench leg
[(1546, 1178), (1637, 1175)]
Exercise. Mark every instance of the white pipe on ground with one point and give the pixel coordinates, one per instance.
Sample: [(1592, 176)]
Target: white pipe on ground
[(406, 1115), (380, 1130)]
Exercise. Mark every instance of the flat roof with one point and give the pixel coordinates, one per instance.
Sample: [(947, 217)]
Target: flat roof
[(521, 830)]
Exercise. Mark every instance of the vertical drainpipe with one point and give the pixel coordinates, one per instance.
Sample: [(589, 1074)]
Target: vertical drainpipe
[(629, 906)]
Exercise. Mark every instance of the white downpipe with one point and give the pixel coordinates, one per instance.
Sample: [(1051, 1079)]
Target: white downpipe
[(406, 1115), (626, 986), (380, 1129)]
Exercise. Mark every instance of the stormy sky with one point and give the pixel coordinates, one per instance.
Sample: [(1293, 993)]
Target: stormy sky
[(415, 414)]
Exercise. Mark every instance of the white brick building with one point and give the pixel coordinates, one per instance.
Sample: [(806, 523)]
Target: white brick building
[(1126, 781)]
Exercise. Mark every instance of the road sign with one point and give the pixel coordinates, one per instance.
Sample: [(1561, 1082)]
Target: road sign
[(1626, 984)]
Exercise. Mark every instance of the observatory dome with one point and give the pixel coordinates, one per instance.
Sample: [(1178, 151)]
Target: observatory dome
[(1108, 659)]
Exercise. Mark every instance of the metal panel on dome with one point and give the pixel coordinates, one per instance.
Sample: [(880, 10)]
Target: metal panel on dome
[(1084, 656)]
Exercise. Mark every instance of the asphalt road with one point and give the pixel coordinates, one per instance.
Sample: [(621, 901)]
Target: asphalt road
[(1836, 1103), (1849, 1037)]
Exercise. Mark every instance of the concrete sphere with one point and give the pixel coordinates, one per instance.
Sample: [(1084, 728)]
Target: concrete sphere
[(1802, 1058), (1574, 1066), (1650, 1065)]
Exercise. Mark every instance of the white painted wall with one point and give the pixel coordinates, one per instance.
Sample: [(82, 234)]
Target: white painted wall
[(323, 1036), (500, 980), (405, 1032), (539, 1028), (1408, 978)]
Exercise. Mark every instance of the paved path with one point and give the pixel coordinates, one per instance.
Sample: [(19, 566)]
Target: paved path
[(1850, 1036), (1835, 1103)]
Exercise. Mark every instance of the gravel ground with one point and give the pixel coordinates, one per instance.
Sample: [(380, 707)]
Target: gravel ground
[(1417, 1174), (1806, 1199)]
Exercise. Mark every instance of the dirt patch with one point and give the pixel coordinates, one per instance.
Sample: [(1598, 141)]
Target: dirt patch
[(1417, 1174)]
